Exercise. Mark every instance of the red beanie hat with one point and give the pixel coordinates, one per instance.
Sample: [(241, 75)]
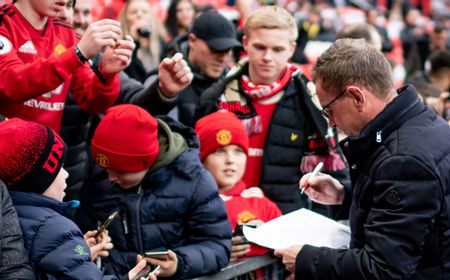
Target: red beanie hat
[(31, 155), (220, 129), (126, 139)]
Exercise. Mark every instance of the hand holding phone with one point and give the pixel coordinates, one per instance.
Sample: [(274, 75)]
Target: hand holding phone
[(160, 255), (106, 224)]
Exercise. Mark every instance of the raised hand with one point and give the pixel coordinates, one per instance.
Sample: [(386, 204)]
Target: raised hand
[(174, 75), (117, 58), (98, 35)]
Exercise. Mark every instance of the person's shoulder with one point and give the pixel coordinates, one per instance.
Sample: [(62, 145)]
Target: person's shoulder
[(6, 13)]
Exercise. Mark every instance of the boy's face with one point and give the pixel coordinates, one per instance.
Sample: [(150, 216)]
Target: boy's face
[(49, 8), (126, 180), (56, 189), (268, 51), (227, 165)]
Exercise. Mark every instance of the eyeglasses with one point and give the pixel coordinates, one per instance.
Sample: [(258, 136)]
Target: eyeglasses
[(326, 111)]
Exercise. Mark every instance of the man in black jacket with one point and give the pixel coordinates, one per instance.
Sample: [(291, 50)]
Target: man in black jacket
[(288, 135), (399, 154)]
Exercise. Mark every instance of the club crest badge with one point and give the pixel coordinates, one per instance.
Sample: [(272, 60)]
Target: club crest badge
[(223, 137)]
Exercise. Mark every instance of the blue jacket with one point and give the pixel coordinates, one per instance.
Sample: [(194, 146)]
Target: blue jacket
[(175, 207), (400, 202), (55, 245)]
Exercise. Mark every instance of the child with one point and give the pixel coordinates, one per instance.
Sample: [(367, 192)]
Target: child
[(223, 151), (31, 159), (166, 199)]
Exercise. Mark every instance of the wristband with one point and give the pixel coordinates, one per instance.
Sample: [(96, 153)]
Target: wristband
[(80, 56)]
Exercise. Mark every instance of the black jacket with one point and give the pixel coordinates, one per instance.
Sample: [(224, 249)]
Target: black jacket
[(14, 262), (296, 114), (400, 205)]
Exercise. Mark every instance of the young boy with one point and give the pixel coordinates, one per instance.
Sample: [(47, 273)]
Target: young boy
[(223, 151), (41, 59), (31, 159), (166, 199)]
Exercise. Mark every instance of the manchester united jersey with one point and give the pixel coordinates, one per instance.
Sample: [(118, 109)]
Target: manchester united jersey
[(39, 67)]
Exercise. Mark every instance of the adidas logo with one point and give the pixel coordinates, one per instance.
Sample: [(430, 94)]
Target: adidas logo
[(28, 47)]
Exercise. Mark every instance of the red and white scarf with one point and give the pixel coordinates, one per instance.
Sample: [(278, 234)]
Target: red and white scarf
[(263, 92)]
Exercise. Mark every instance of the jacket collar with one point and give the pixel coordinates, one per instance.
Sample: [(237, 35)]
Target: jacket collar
[(404, 107), (38, 200)]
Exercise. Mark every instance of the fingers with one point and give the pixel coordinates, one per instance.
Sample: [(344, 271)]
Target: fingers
[(279, 253), (139, 266), (98, 35)]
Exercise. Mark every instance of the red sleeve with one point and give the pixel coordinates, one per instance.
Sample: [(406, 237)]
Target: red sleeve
[(90, 93), (22, 81)]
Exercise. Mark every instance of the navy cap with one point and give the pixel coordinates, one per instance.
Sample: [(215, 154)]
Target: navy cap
[(216, 30)]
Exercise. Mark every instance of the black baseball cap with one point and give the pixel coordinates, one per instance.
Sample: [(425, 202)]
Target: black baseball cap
[(216, 30)]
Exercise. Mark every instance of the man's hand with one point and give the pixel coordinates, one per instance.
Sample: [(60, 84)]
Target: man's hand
[(98, 35), (168, 267), (174, 75), (99, 247), (323, 189), (119, 57), (288, 256)]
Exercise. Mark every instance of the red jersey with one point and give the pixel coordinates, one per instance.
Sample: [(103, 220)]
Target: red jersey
[(253, 168), (244, 205), (39, 67)]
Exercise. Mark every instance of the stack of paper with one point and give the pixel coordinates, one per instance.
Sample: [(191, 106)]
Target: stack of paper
[(297, 228)]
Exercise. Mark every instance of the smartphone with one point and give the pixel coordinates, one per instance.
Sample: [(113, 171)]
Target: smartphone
[(238, 231), (106, 223), (160, 255), (143, 273)]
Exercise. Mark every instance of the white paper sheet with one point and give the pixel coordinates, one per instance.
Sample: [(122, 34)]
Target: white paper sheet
[(300, 227)]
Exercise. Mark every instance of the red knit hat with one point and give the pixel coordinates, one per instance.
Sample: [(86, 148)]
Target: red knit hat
[(31, 155), (126, 139), (220, 129)]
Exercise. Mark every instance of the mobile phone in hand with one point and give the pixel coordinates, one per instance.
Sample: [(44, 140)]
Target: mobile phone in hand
[(238, 231), (106, 223), (143, 273), (160, 255)]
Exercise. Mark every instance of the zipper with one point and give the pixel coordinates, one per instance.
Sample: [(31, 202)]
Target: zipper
[(140, 244), (378, 137)]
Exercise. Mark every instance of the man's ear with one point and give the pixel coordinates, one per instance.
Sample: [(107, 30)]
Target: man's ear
[(358, 97), (293, 46), (244, 42), (191, 38)]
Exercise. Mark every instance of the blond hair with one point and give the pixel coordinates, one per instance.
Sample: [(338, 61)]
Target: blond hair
[(272, 17)]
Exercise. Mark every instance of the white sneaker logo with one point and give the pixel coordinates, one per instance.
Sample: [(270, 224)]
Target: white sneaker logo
[(28, 47)]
